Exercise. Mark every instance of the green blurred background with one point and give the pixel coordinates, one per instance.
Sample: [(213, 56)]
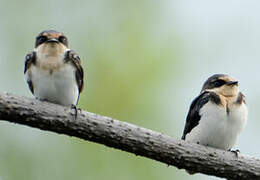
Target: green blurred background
[(144, 62)]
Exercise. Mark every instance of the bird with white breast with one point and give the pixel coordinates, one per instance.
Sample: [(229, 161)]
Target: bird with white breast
[(53, 71), (218, 115)]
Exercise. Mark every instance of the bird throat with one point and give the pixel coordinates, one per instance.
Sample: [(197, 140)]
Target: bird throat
[(50, 57)]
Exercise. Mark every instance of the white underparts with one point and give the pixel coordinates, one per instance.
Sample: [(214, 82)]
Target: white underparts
[(53, 80), (218, 128)]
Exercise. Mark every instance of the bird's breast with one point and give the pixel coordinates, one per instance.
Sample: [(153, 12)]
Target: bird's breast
[(51, 63), (59, 86), (216, 128), (220, 129), (49, 57)]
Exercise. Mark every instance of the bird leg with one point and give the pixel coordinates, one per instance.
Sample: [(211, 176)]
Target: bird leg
[(235, 151), (76, 110)]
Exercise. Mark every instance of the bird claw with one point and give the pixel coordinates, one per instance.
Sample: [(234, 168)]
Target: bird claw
[(235, 151), (37, 98), (76, 110)]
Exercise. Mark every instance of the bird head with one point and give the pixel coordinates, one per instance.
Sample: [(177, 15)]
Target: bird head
[(51, 42), (221, 84)]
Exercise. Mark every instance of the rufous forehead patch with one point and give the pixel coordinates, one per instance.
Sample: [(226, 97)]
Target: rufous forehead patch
[(51, 35)]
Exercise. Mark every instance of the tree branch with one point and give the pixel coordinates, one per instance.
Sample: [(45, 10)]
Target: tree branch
[(128, 137)]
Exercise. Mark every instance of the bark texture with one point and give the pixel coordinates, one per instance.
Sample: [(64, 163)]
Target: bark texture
[(128, 137)]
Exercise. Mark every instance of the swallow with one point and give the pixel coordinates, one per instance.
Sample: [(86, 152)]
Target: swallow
[(218, 115), (53, 71)]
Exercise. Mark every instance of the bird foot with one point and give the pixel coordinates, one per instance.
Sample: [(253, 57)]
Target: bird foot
[(40, 99), (76, 110), (235, 151)]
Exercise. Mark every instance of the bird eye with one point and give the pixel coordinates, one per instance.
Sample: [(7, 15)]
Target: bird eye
[(63, 39), (41, 39), (219, 83)]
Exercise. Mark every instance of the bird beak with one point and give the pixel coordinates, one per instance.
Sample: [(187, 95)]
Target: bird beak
[(53, 40), (231, 83)]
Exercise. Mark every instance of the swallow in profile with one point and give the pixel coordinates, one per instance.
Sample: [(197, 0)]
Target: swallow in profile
[(53, 71), (218, 115)]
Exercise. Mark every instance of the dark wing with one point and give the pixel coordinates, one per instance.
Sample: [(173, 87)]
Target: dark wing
[(74, 59), (193, 116), (241, 98), (29, 60)]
